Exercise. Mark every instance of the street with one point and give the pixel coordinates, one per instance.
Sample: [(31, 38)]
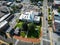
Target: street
[(45, 36)]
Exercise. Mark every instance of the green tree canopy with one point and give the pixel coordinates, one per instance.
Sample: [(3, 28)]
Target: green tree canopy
[(31, 27), (59, 9), (25, 26), (35, 0)]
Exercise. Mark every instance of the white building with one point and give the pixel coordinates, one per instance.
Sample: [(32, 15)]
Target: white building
[(5, 16), (55, 12), (3, 25), (56, 2), (56, 21), (9, 3), (30, 17)]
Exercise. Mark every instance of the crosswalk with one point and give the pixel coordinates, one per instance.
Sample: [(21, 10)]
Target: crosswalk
[(16, 42)]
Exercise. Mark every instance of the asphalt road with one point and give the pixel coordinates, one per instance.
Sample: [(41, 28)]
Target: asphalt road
[(45, 37), (26, 1)]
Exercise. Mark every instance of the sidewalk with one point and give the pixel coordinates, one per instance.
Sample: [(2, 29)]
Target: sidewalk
[(50, 30), (8, 35), (34, 40), (3, 42)]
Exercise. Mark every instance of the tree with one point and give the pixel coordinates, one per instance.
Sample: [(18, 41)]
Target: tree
[(59, 9), (35, 0), (10, 43), (31, 30), (14, 7), (3, 34), (48, 9), (25, 26), (31, 27)]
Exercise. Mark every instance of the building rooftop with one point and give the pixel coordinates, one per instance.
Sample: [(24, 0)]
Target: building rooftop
[(16, 30), (56, 17), (55, 12), (57, 21), (3, 10), (57, 26), (57, 1), (30, 8), (3, 23), (37, 18), (1, 14), (9, 3), (5, 16), (29, 16)]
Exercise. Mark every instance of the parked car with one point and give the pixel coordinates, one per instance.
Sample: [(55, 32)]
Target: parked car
[(46, 18)]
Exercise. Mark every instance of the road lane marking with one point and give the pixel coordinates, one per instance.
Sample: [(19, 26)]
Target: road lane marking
[(16, 42)]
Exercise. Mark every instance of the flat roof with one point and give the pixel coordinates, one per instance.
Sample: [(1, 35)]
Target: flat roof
[(55, 12), (1, 14), (9, 3), (37, 18), (57, 18), (57, 25), (57, 21), (3, 10), (29, 16), (57, 1), (5, 16), (3, 23)]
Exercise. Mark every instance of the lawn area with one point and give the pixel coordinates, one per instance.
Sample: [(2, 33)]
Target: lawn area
[(33, 29), (19, 25), (23, 34)]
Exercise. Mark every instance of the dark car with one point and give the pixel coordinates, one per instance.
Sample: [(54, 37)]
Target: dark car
[(12, 33), (47, 31), (46, 19)]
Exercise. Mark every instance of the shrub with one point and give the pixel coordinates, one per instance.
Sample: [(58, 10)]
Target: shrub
[(23, 34)]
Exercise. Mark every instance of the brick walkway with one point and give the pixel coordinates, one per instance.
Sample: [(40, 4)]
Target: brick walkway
[(34, 40)]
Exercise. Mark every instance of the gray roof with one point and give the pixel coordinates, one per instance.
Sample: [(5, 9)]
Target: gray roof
[(57, 26), (57, 18), (3, 9), (1, 14), (57, 23), (16, 30)]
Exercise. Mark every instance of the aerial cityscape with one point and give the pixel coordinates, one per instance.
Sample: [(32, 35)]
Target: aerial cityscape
[(29, 22)]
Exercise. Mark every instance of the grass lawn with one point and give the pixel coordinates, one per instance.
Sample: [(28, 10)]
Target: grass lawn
[(23, 34), (35, 33), (19, 25)]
